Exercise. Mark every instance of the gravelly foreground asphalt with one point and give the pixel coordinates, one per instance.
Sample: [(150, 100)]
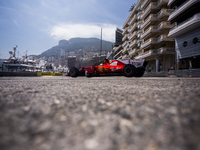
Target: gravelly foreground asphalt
[(105, 113)]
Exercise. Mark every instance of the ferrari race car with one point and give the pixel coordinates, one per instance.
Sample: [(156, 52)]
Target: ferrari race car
[(126, 67)]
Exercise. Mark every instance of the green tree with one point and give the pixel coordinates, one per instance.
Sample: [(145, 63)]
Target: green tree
[(132, 7)]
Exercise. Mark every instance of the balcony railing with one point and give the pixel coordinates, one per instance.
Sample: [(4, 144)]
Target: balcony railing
[(124, 56), (133, 35), (148, 53), (165, 50), (165, 25), (133, 19), (116, 49), (187, 20), (144, 4), (152, 17), (180, 6), (125, 30), (119, 53), (164, 12), (164, 37), (124, 44), (149, 30), (132, 52), (160, 2), (124, 50), (152, 5), (149, 42), (186, 26), (133, 27), (133, 44), (125, 37)]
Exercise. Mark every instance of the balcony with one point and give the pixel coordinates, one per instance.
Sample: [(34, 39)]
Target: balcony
[(133, 19), (125, 31), (133, 44), (117, 48), (165, 50), (164, 13), (118, 54), (149, 20), (133, 52), (124, 44), (151, 29), (187, 4), (133, 28), (170, 2), (133, 35), (152, 6), (125, 38), (149, 42), (145, 4), (186, 26), (162, 2), (149, 53), (165, 26), (124, 56), (124, 50), (164, 38)]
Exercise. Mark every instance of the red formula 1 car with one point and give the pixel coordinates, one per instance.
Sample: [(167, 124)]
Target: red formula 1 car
[(126, 67)]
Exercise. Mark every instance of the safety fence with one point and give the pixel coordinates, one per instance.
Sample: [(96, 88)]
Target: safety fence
[(176, 73)]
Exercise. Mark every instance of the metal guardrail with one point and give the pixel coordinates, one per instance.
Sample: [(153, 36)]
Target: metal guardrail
[(178, 73)]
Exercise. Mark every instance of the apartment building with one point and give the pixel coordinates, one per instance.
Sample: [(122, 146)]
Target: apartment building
[(117, 48), (186, 16), (145, 35)]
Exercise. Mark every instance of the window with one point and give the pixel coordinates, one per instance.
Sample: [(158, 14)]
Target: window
[(139, 26), (139, 17), (139, 44), (139, 8), (185, 44), (139, 35)]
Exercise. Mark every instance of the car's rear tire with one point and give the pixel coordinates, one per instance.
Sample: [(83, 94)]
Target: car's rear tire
[(128, 70), (74, 72)]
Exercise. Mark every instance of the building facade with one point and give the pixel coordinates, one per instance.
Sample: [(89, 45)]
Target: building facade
[(117, 48), (186, 16), (145, 35)]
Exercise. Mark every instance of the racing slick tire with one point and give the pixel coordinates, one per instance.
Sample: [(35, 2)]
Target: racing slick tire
[(128, 70), (74, 72)]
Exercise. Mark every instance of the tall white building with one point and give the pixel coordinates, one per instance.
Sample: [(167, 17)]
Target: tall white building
[(145, 35)]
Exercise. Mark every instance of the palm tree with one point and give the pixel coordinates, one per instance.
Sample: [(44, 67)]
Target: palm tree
[(132, 7)]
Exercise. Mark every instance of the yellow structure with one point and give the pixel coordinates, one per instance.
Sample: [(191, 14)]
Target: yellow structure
[(49, 74)]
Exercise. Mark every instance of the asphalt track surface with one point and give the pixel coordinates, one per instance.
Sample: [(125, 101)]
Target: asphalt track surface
[(99, 113)]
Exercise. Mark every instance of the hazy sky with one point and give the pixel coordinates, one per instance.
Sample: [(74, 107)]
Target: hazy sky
[(37, 25)]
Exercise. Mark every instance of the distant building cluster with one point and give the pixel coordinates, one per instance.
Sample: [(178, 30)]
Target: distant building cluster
[(62, 61)]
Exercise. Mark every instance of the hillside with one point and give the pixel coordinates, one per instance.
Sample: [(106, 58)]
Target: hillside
[(92, 44)]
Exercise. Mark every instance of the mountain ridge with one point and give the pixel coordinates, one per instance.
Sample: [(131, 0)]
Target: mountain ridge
[(92, 44)]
